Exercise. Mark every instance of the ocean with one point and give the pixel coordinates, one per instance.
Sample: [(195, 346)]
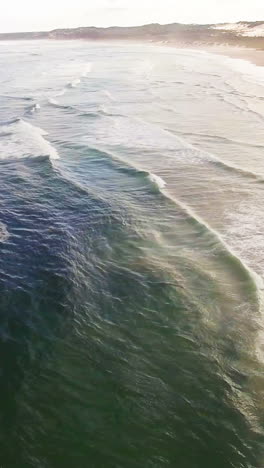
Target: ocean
[(131, 257)]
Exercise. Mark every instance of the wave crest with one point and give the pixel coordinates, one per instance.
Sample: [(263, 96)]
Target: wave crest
[(25, 140), (157, 181)]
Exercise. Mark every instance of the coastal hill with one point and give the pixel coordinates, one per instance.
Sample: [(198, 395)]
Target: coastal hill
[(244, 34)]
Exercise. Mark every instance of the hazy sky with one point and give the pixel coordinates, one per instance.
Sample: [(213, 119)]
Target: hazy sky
[(33, 15)]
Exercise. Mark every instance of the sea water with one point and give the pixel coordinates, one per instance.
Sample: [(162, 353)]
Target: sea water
[(131, 257)]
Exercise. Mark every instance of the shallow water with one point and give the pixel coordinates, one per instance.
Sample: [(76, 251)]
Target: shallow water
[(131, 257)]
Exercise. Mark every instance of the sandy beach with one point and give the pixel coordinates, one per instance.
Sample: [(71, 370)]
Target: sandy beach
[(245, 53), (252, 55)]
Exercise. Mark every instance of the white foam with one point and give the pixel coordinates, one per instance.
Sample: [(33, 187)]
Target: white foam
[(25, 140), (4, 234), (53, 101), (34, 108), (157, 180)]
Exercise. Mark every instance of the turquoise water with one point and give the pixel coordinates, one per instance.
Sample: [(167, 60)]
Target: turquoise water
[(131, 257)]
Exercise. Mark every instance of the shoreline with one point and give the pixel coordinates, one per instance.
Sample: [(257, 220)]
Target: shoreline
[(253, 56)]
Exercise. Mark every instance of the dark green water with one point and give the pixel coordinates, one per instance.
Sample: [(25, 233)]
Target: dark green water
[(129, 329)]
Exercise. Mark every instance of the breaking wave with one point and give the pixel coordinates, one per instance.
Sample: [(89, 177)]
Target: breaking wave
[(159, 185), (25, 140), (157, 181)]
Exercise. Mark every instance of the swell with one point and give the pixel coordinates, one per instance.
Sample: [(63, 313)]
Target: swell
[(238, 170), (212, 159), (208, 157), (67, 177), (256, 280), (155, 181), (158, 184), (220, 139), (231, 257)]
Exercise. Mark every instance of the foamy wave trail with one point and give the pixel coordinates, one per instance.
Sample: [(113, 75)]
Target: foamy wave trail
[(4, 234), (25, 140)]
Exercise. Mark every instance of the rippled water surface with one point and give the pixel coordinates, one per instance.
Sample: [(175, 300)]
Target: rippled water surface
[(131, 257)]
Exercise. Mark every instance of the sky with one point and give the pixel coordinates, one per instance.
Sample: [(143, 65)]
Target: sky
[(36, 15)]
